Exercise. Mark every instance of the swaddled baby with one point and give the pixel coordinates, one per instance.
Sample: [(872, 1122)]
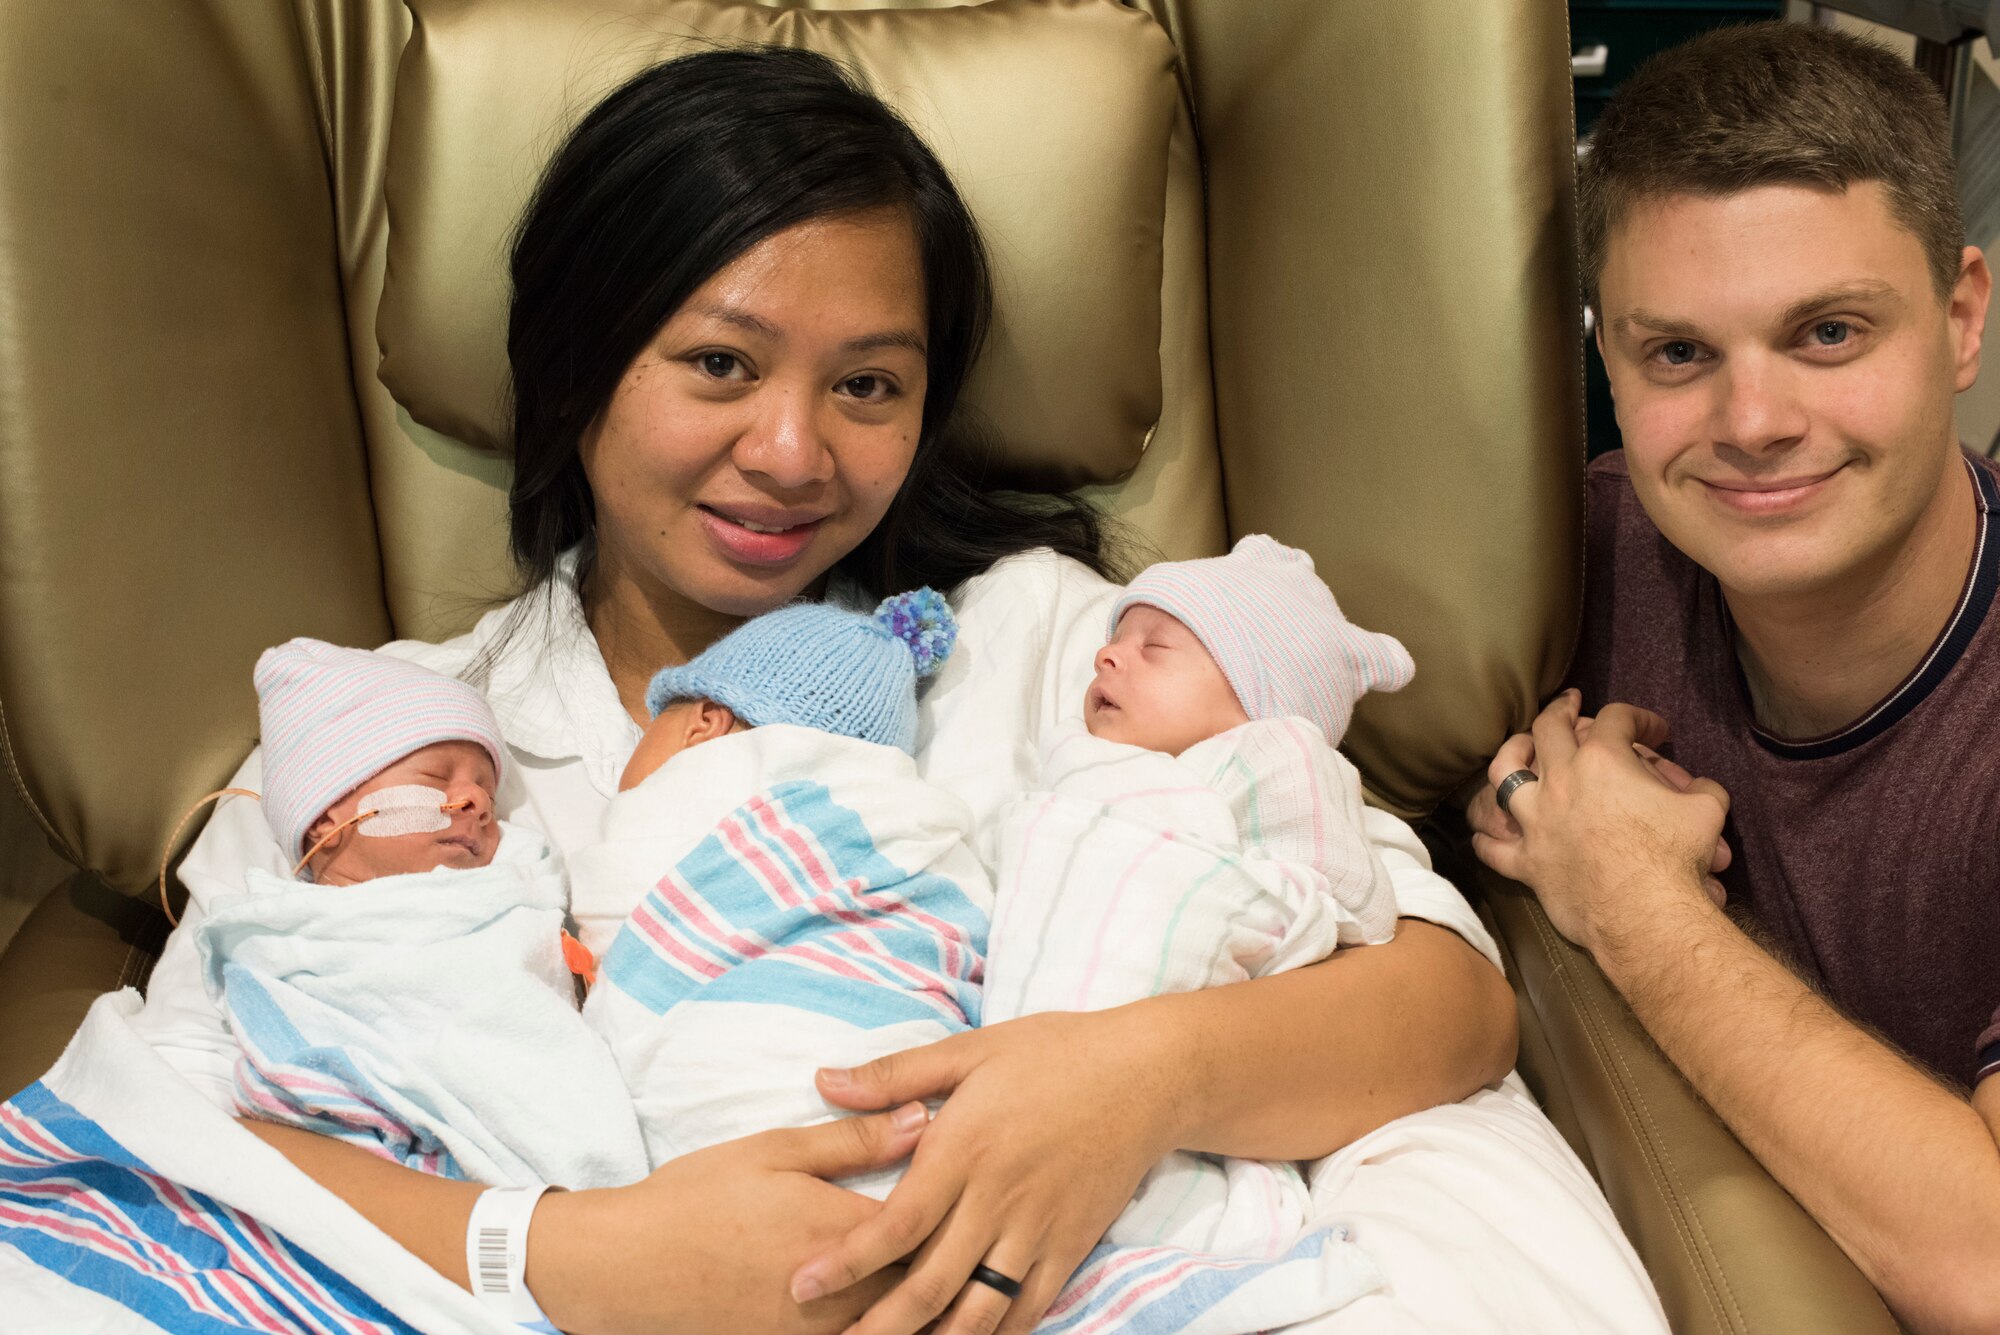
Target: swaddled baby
[(1197, 827), (807, 899), (813, 903), (406, 987)]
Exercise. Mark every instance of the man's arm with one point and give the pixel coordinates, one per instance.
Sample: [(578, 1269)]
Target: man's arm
[(1903, 1173)]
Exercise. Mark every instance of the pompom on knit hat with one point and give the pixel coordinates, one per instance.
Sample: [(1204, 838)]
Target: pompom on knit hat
[(333, 717), (1276, 632), (823, 667)]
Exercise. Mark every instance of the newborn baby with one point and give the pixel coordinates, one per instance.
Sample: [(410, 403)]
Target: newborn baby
[(405, 988), (813, 903), (808, 900), (1197, 827)]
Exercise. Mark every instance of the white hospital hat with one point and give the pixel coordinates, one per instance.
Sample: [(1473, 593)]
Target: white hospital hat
[(1276, 632), (331, 717)]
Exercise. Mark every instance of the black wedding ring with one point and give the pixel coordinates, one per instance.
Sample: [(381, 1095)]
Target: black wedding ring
[(1512, 784), (994, 1280)]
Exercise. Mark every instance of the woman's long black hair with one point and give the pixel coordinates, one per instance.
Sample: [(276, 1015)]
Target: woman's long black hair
[(671, 177)]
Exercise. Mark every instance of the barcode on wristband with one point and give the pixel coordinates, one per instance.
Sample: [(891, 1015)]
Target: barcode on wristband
[(492, 1275)]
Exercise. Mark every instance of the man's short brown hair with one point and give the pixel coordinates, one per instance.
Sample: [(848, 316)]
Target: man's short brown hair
[(1773, 104)]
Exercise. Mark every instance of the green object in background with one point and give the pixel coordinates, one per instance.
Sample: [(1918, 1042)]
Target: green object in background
[(1629, 31)]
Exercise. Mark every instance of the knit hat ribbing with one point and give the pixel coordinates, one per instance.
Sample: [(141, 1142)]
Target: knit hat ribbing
[(822, 667), (1276, 632), (332, 717)]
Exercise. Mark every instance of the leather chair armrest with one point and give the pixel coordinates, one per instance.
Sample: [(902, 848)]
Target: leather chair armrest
[(1728, 1248), (83, 940)]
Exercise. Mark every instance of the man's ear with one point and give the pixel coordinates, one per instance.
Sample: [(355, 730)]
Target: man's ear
[(709, 720), (1968, 313)]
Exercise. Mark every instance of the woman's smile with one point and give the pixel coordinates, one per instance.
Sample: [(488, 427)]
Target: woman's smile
[(757, 542)]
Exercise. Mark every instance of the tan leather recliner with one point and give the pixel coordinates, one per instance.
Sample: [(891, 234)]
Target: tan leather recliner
[(1365, 336)]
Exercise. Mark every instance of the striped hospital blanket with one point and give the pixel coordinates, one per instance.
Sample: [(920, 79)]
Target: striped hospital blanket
[(808, 901), (1132, 873), (830, 913), (129, 1203)]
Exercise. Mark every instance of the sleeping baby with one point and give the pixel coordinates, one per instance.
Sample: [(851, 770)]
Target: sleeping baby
[(1197, 827), (813, 903), (406, 987), (807, 898)]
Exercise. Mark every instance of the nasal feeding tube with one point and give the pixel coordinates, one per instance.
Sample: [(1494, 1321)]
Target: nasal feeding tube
[(386, 813), (406, 808)]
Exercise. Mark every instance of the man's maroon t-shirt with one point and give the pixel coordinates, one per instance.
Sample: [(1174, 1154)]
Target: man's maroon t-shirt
[(1869, 856)]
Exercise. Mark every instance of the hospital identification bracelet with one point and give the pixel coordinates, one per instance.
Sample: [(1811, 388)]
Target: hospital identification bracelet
[(496, 1255)]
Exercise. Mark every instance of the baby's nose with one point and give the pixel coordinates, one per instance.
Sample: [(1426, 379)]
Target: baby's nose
[(474, 801)]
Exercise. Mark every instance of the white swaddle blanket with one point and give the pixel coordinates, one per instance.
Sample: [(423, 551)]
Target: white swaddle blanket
[(814, 903), (428, 1017), (1137, 874), (808, 902)]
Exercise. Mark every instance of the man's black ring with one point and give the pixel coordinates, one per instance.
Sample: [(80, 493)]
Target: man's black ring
[(994, 1280), (1512, 784)]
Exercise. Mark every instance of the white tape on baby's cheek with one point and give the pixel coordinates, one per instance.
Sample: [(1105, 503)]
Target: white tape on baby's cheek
[(408, 808)]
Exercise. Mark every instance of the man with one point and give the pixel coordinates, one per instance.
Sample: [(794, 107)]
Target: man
[(1793, 564)]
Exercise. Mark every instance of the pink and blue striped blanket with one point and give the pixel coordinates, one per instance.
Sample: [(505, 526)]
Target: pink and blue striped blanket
[(833, 897)]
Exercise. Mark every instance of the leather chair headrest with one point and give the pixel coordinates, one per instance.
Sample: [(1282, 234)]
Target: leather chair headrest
[(1053, 116)]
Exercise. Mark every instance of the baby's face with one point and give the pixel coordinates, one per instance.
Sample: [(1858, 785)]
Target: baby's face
[(1157, 687), (463, 771)]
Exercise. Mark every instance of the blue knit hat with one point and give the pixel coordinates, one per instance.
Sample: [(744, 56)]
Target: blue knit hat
[(822, 667)]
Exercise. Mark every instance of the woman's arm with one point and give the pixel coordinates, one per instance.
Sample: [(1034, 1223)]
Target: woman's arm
[(1053, 1119), (1295, 1065), (706, 1243)]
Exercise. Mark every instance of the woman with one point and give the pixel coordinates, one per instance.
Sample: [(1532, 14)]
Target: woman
[(746, 298)]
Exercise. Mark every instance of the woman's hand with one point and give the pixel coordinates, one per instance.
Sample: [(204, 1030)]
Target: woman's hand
[(708, 1242), (1050, 1123)]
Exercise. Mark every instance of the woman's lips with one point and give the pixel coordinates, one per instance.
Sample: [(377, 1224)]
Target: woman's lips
[(1773, 497), (740, 541)]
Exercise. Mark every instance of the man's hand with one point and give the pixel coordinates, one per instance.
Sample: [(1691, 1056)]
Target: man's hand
[(1610, 829)]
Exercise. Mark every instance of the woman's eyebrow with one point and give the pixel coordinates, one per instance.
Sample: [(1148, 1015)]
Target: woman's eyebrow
[(892, 338), (742, 319)]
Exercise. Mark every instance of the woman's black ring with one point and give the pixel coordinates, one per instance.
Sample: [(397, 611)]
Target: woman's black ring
[(994, 1280), (1512, 784)]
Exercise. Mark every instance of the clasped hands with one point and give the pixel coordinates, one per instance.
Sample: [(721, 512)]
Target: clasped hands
[(1611, 828)]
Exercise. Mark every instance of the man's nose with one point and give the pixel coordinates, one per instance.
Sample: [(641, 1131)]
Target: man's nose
[(1758, 406), (785, 441)]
